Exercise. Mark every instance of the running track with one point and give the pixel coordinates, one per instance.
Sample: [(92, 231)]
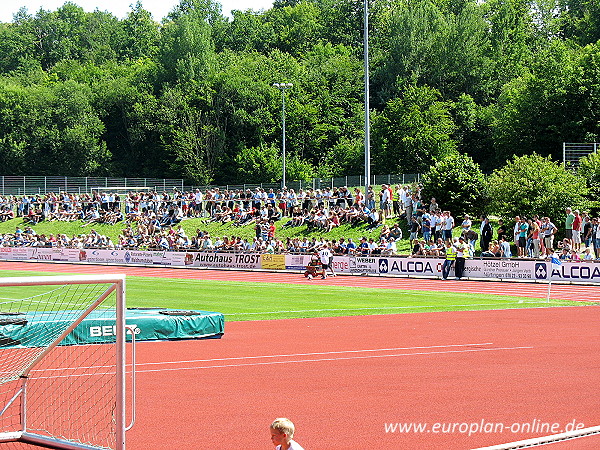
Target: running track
[(341, 379), (575, 292)]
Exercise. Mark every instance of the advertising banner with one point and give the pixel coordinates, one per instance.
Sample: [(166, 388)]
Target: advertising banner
[(296, 262), (568, 271), (227, 260), (425, 267), (506, 269), (273, 262)]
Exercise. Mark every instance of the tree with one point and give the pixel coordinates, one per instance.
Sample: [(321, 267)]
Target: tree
[(557, 101), (580, 20), (259, 164), (474, 130), (533, 184), (142, 33), (51, 129), (425, 43), (296, 28), (187, 48), (457, 184), (412, 132)]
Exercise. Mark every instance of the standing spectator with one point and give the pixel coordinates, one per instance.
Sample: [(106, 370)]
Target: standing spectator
[(407, 204), (534, 235), (486, 233), (501, 230), (426, 227), (370, 198), (577, 223), (414, 228), (523, 228), (449, 261), (504, 248), (386, 201), (465, 225), (596, 236), (461, 252), (548, 230), (516, 232), (569, 219), (433, 205), (448, 225), (396, 208), (586, 230)]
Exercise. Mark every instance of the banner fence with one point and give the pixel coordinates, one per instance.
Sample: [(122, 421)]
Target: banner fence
[(490, 268)]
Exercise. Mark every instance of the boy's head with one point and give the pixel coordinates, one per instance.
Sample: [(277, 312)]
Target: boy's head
[(282, 431)]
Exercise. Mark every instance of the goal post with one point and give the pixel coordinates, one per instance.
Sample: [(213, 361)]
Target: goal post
[(60, 388)]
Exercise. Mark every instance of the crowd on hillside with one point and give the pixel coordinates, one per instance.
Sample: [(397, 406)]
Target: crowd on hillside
[(152, 221)]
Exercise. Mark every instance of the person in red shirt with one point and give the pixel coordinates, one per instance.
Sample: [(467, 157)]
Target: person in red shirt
[(577, 231)]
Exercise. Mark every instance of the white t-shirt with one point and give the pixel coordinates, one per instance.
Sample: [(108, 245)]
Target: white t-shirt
[(325, 255), (293, 446)]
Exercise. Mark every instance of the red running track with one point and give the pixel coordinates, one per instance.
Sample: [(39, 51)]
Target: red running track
[(575, 292), (342, 379)]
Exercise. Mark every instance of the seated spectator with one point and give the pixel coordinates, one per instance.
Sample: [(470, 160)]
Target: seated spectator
[(350, 247), (437, 249), (332, 222), (373, 219), (6, 214), (363, 247), (418, 248), (385, 232), (493, 250), (390, 248), (93, 216), (396, 232), (588, 255)]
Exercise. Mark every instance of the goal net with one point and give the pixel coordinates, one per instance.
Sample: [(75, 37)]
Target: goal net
[(62, 385)]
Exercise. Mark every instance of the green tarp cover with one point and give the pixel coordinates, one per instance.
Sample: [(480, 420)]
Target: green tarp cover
[(99, 327)]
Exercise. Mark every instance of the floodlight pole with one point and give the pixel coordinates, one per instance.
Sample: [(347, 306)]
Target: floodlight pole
[(367, 107), (283, 87)]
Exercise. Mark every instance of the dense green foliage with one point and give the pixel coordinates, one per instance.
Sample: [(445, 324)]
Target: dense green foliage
[(91, 94), (457, 184), (530, 185)]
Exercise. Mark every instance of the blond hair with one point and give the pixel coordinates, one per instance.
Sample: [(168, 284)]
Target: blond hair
[(284, 425)]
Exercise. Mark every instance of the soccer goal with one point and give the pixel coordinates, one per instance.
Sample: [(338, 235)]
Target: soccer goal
[(62, 362)]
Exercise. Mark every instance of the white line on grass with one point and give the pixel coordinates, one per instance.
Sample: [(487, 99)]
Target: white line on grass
[(378, 308)]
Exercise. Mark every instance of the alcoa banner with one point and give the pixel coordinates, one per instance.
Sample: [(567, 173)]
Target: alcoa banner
[(489, 268)]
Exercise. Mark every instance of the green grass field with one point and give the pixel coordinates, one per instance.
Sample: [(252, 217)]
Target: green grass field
[(214, 229), (264, 301)]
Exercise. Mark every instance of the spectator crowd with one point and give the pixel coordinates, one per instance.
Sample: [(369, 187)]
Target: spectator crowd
[(153, 221)]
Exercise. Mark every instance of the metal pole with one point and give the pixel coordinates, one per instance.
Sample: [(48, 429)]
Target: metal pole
[(283, 138), (283, 87), (367, 122)]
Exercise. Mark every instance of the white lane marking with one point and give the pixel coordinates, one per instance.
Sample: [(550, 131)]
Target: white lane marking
[(267, 363), (291, 355)]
